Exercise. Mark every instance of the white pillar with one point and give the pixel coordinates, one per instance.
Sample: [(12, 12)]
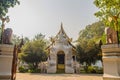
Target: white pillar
[(111, 62)]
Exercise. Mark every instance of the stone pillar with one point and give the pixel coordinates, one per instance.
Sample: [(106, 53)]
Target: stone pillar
[(111, 61), (6, 58)]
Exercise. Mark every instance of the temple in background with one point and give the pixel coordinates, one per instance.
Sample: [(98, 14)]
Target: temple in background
[(62, 54)]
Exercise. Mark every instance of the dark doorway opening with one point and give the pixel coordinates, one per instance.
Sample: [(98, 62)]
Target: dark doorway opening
[(61, 62), (60, 58)]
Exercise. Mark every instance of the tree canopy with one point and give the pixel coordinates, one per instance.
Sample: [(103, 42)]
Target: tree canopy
[(109, 12), (33, 52), (88, 47), (5, 4), (93, 31), (16, 40)]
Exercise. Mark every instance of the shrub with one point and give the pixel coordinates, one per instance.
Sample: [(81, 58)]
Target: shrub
[(22, 69), (100, 70), (95, 69), (91, 69), (34, 70)]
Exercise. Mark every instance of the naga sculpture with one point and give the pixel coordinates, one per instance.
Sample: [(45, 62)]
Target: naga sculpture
[(111, 36), (7, 36)]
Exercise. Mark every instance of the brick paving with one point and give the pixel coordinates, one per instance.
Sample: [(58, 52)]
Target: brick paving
[(37, 76)]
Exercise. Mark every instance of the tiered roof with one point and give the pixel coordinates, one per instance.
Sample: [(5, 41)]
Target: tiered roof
[(61, 31)]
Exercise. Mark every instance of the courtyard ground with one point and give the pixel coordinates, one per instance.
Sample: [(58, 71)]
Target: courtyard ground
[(34, 76)]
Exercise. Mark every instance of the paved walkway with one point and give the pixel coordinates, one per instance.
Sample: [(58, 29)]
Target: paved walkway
[(29, 76)]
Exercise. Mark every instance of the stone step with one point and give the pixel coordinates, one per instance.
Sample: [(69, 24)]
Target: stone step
[(5, 76)]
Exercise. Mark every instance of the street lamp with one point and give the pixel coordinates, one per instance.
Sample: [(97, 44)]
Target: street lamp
[(3, 19)]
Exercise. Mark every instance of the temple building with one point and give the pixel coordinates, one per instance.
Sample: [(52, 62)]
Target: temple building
[(62, 54)]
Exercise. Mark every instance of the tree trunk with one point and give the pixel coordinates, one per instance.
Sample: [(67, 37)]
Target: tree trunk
[(117, 36), (86, 68), (36, 65)]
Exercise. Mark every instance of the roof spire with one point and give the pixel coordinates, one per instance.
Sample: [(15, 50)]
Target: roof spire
[(62, 30), (61, 25)]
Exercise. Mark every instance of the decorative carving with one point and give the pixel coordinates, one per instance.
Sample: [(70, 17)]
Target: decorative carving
[(111, 36), (52, 40), (43, 67), (7, 36), (76, 66)]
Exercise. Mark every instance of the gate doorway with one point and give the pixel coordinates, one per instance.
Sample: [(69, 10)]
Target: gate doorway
[(60, 62)]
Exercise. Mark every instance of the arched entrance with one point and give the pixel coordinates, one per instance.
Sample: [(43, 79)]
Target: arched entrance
[(60, 62)]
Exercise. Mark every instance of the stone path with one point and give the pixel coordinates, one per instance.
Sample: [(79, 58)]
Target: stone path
[(29, 76)]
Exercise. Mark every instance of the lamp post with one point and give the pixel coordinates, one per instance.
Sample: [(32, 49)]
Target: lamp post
[(3, 19)]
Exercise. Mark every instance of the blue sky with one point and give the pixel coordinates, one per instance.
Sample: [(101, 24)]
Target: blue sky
[(45, 16)]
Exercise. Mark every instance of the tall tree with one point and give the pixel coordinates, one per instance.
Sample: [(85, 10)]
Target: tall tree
[(88, 48), (88, 52), (93, 31), (109, 13)]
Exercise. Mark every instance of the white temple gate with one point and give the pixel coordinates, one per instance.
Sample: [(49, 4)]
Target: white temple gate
[(61, 54)]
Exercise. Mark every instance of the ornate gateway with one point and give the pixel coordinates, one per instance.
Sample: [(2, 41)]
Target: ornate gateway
[(61, 54)]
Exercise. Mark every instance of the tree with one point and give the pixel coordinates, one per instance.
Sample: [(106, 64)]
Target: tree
[(88, 53), (17, 39), (93, 31), (88, 47), (0, 34), (39, 37), (5, 5), (33, 52), (109, 13)]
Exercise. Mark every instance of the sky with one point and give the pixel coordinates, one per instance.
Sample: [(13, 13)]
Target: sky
[(45, 16)]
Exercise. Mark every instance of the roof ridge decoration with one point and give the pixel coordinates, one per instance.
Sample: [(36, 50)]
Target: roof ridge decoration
[(62, 31), (60, 34)]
